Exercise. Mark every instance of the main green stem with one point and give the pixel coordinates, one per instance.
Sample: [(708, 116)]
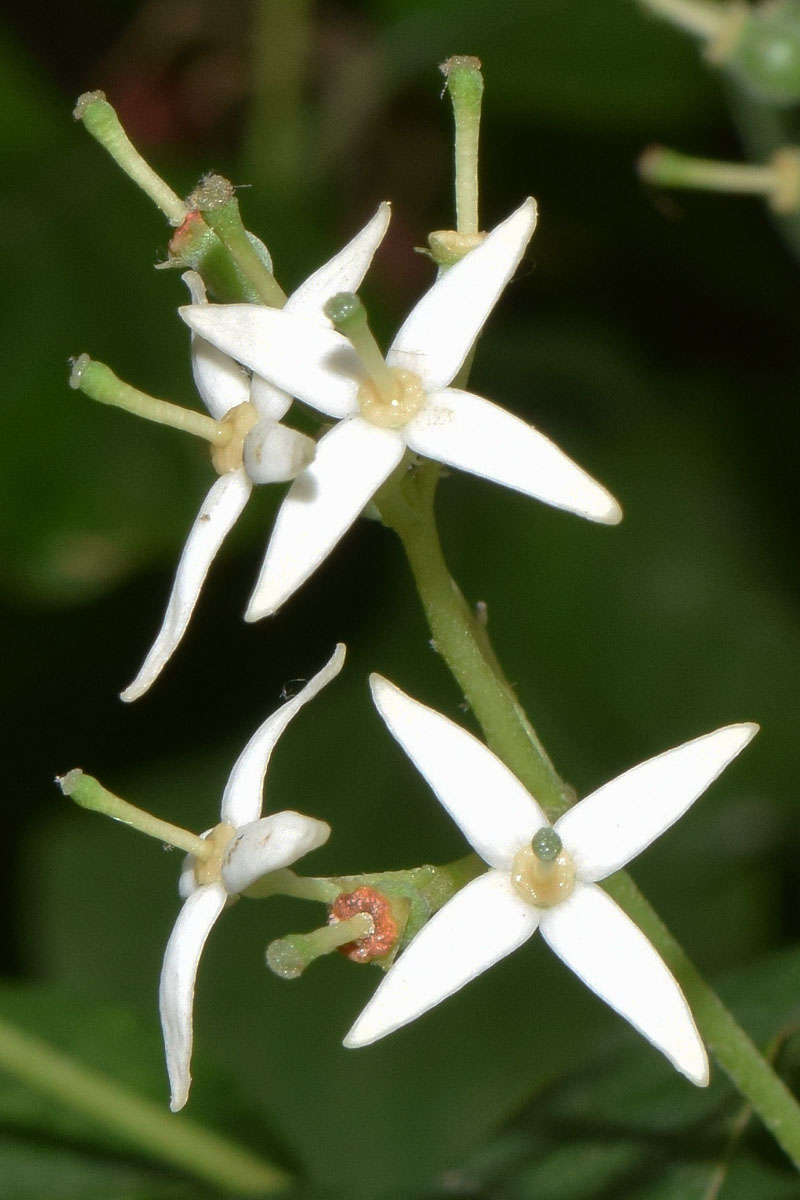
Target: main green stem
[(175, 1141), (406, 505)]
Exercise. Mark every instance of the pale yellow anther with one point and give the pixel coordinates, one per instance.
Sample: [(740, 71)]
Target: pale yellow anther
[(392, 407), (208, 870), (543, 884), (228, 446)]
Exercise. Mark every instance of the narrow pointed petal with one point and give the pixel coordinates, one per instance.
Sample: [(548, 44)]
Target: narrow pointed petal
[(294, 353), (466, 431), (269, 402), (269, 844), (351, 463), (241, 800), (344, 272), (604, 948), (221, 382), (176, 989), (612, 825), (274, 453), (483, 923), (219, 513), (439, 332), (493, 809)]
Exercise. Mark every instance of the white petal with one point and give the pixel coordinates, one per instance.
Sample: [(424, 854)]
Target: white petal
[(613, 824), (439, 332), (267, 400), (466, 431), (176, 989), (344, 272), (604, 948), (274, 453), (351, 463), (219, 513), (294, 353), (221, 382), (269, 844), (483, 923), (241, 800), (494, 810)]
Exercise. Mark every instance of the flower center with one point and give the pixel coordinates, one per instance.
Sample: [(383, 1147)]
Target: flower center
[(228, 446), (208, 870), (543, 873), (390, 396), (396, 403)]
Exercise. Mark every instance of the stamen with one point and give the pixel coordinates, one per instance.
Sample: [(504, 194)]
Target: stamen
[(778, 180), (102, 122), (89, 793), (464, 82), (289, 956), (215, 198), (99, 382), (349, 316), (391, 396)]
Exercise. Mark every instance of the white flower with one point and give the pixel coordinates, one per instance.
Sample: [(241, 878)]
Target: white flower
[(249, 847), (545, 877), (272, 452), (320, 367)]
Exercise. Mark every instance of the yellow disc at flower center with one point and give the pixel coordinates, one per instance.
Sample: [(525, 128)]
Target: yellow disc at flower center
[(393, 406), (207, 870), (543, 884)]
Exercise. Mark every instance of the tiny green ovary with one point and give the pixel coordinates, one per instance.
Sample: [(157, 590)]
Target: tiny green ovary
[(542, 884), (395, 408)]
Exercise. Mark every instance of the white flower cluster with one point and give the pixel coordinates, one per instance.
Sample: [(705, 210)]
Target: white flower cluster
[(295, 352), (538, 876)]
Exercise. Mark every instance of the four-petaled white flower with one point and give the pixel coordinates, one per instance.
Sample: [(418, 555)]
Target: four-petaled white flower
[(248, 846), (272, 452), (414, 408), (545, 877)]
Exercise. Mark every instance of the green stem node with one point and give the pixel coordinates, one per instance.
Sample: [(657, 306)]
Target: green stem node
[(98, 382), (173, 1140), (214, 198), (102, 122), (89, 793)]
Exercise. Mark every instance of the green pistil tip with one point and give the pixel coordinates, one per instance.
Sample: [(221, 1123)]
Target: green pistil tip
[(346, 311), (546, 844)]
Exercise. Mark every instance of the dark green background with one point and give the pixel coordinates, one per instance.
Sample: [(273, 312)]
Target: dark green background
[(654, 337)]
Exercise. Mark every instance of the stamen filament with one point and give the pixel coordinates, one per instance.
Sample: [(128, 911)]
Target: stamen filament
[(289, 956), (216, 200), (102, 122), (778, 180), (89, 793), (464, 82), (284, 882), (99, 382), (706, 20), (349, 316)]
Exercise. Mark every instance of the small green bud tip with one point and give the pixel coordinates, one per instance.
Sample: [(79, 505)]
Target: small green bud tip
[(211, 194), (463, 75), (69, 782), (345, 310), (78, 367), (89, 100), (285, 959), (546, 844)]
